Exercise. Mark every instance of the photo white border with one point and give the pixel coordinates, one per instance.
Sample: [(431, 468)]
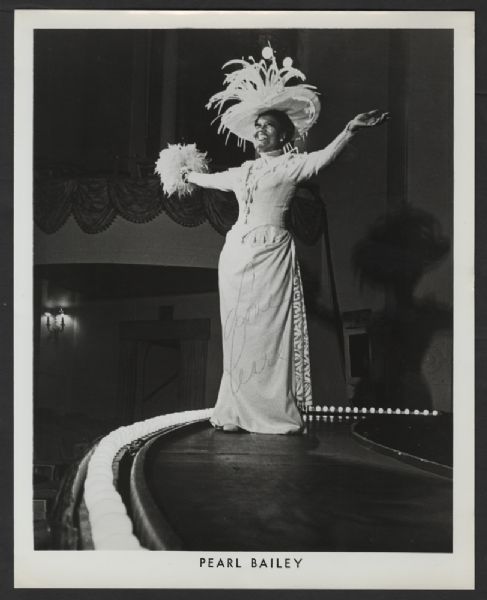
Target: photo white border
[(319, 570)]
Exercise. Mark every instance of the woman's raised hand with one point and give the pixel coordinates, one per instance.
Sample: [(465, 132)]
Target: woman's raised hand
[(368, 119)]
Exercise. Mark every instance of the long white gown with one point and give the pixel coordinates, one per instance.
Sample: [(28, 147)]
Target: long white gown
[(266, 370)]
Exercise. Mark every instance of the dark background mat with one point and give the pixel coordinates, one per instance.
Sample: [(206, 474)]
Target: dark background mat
[(6, 292)]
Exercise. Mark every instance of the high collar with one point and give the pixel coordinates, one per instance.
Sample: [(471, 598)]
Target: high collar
[(266, 156)]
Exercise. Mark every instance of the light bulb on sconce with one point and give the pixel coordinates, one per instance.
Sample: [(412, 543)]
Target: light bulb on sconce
[(55, 322)]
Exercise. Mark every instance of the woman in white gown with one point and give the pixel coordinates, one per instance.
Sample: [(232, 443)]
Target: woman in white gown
[(266, 371)]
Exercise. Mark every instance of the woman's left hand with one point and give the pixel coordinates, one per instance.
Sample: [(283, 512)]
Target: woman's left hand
[(368, 119)]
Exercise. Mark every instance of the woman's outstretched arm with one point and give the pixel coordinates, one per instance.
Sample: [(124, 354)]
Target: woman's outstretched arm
[(311, 163), (224, 181)]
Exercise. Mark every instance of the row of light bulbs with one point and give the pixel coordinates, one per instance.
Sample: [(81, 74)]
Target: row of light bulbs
[(371, 410)]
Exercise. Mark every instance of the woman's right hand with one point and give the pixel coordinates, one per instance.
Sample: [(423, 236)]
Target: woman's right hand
[(184, 172)]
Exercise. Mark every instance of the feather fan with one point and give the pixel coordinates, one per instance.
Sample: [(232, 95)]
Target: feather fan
[(170, 163)]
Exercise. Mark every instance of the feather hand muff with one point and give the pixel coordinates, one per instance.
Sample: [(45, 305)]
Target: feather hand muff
[(171, 162)]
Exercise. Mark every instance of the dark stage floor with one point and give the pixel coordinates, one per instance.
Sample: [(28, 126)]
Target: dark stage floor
[(318, 492)]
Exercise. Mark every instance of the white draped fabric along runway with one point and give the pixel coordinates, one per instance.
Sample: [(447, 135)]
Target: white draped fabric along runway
[(266, 375)]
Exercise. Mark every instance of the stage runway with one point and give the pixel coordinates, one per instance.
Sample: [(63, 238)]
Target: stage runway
[(322, 491)]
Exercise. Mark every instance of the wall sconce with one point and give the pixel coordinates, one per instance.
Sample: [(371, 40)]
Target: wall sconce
[(55, 322)]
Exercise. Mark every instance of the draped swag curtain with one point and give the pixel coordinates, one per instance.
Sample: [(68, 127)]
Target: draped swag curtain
[(96, 202)]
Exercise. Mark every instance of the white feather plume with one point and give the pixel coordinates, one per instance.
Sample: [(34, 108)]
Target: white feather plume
[(170, 163)]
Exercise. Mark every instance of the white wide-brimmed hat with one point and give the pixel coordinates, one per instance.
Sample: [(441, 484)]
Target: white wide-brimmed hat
[(259, 86)]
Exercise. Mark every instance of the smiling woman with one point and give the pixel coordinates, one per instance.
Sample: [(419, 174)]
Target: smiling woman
[(266, 378)]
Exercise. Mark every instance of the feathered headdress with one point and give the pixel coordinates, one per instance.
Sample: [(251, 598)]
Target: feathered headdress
[(260, 86)]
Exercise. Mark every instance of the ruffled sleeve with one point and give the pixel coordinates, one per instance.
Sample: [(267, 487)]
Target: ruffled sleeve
[(304, 166), (225, 180)]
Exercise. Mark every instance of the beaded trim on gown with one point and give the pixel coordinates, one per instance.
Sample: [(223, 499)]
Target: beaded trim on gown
[(266, 369)]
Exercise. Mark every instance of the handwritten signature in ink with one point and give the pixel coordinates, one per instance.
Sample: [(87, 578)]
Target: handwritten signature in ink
[(235, 332)]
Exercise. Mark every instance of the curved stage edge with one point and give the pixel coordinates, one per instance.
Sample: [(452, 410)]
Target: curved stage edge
[(317, 492), (424, 442), (186, 486)]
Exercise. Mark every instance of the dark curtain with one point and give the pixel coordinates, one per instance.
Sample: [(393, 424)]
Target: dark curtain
[(96, 202)]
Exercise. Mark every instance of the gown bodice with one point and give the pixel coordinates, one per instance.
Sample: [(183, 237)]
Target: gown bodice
[(264, 191), (264, 187)]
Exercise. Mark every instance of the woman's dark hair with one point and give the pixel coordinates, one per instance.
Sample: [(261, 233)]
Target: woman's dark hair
[(285, 123)]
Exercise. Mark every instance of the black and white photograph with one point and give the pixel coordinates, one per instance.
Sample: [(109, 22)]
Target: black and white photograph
[(239, 244)]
